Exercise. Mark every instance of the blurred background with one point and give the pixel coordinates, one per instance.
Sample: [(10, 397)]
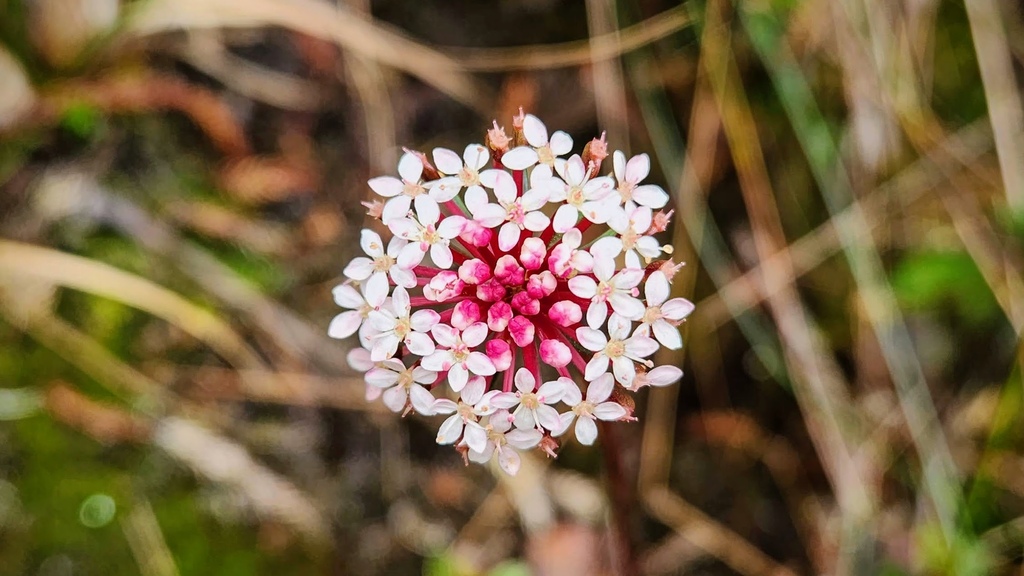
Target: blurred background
[(179, 191)]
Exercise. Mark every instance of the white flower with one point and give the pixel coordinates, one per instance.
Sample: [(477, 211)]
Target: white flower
[(463, 422), (517, 212), (594, 198), (403, 385), (401, 193), (630, 174), (631, 223), (459, 175), (360, 303), (532, 407), (616, 288), (458, 357), (397, 326), (663, 317), (621, 350), (660, 376), (594, 407), (541, 149), (567, 258), (380, 261), (504, 441), (424, 233)]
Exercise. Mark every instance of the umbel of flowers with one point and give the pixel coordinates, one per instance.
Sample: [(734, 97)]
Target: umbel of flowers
[(521, 293)]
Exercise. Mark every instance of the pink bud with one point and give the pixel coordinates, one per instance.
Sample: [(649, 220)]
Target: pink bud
[(555, 353), (475, 234), (490, 291), (533, 252), (465, 313), (565, 313), (558, 260), (508, 271), (444, 286), (523, 303), (541, 285), (522, 330), (498, 316), (500, 354), (474, 271)]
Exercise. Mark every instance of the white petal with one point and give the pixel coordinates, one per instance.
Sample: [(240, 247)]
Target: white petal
[(618, 327), (608, 247), (664, 375), (628, 278), (445, 189), (561, 143), (441, 255), (525, 382), (396, 209), (519, 158), (424, 320), (551, 392), (451, 227), (386, 186), (624, 370), (479, 364), (586, 431), (536, 221), (381, 377), (565, 218), (575, 171), (600, 389), (474, 334), (371, 243), (443, 406), (376, 290), (651, 196), (572, 395), (548, 417), (411, 256), (638, 168), (427, 210), (345, 324), (476, 437), (476, 156), (609, 411), (533, 199), (474, 390), (598, 365), (604, 269), (447, 161), (359, 268), (403, 277), (508, 236), (591, 339), (419, 343), (524, 418), (583, 286), (475, 198), (437, 361), (677, 308), (410, 168), (403, 227), (422, 401), (656, 289), (504, 186), (641, 346), (384, 347), (668, 335), (395, 398), (445, 335), (346, 296), (596, 314), (523, 439), (509, 461), (457, 377), (451, 429), (490, 215), (535, 131), (626, 306), (619, 161)]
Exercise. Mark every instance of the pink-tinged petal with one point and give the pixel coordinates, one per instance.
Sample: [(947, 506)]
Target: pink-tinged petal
[(484, 407), (564, 421), (371, 243), (551, 392), (411, 256), (525, 304), (396, 209), (525, 382), (561, 143), (610, 411), (535, 131), (447, 161), (504, 400), (626, 306), (598, 365), (596, 314), (359, 268), (479, 364), (400, 301), (523, 439), (519, 158), (451, 227), (619, 162), (439, 361), (359, 359), (648, 247), (403, 227), (504, 187), (524, 418), (444, 406), (498, 316), (475, 234), (376, 290), (508, 236), (386, 186), (410, 167), (638, 168), (667, 335), (575, 170), (608, 247), (583, 286), (641, 346), (421, 375), (424, 320), (642, 219), (381, 377), (445, 335), (457, 377), (586, 431), (600, 211), (427, 210), (476, 438), (451, 429), (441, 255), (445, 189), (384, 347), (601, 188), (565, 313), (521, 330), (651, 196), (419, 343), (632, 260), (508, 271), (474, 390), (483, 456), (624, 371), (547, 417), (664, 375), (475, 156), (346, 296), (536, 221), (490, 215), (591, 339), (600, 389), (532, 253), (500, 354), (565, 218), (474, 271), (619, 220), (656, 289), (382, 320), (395, 398), (604, 269), (677, 308), (628, 278), (474, 334), (555, 353), (619, 327), (422, 401), (466, 313), (509, 461), (533, 199)]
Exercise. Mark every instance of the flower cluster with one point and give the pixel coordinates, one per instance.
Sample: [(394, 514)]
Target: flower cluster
[(520, 286)]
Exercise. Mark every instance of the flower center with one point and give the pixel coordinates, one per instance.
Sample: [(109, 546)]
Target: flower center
[(630, 238), (405, 379), (604, 291), (466, 412), (412, 189), (626, 190), (584, 408), (545, 155), (429, 235), (529, 401), (365, 310), (383, 263), (575, 196), (653, 313), (460, 352), (615, 348), (402, 328), (497, 437), (515, 213), (469, 177)]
